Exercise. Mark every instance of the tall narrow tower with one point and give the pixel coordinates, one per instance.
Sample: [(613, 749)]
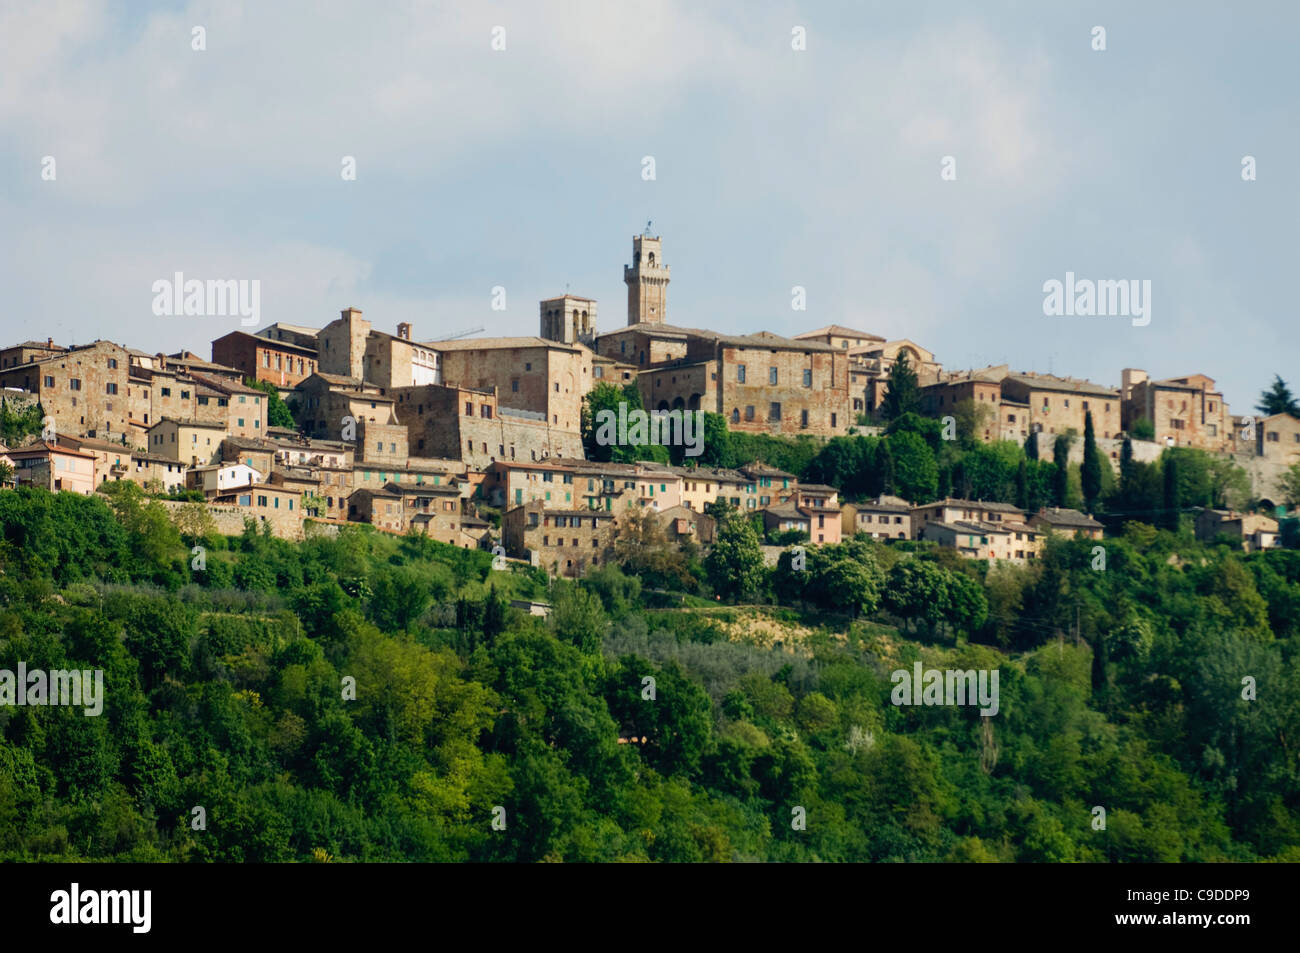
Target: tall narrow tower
[(647, 281)]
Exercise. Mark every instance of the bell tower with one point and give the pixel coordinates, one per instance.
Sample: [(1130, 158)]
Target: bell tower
[(647, 281)]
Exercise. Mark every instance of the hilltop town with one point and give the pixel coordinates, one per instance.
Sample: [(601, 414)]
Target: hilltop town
[(478, 442)]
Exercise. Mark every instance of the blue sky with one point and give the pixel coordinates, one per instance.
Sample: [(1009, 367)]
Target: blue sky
[(774, 168)]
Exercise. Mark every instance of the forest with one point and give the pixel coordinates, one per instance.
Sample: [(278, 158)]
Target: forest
[(360, 696)]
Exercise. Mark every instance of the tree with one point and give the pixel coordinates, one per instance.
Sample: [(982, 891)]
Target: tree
[(916, 589), (195, 521), (971, 417), (1061, 457), (1022, 486), (1090, 472), (734, 566), (16, 426), (277, 411), (610, 397), (1278, 399), (6, 472), (1143, 429), (1169, 514), (883, 475), (1289, 483), (643, 549), (904, 392), (916, 474), (577, 617)]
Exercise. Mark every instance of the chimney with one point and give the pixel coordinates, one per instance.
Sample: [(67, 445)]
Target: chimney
[(49, 342), (347, 313), (404, 331)]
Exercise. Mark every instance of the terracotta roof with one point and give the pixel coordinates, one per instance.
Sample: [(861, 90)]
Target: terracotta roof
[(839, 330)]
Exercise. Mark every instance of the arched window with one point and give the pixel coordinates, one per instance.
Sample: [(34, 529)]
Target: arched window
[(652, 259), (735, 415)]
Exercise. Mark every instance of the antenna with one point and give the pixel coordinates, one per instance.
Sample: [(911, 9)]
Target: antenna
[(459, 334)]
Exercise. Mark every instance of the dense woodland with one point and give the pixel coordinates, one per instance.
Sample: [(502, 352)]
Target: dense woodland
[(1120, 687)]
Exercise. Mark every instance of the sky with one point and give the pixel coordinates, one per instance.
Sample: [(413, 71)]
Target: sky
[(523, 168)]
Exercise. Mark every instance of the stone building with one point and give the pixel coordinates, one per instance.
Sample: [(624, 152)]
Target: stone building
[(563, 542), (1055, 404), (295, 334), (1185, 411), (761, 383), (281, 363), (1254, 531), (29, 351), (647, 281), (467, 424), (349, 347), (984, 389), (1066, 521), (85, 389), (192, 442), (886, 517), (280, 506), (568, 319), (157, 470), (528, 373), (838, 336), (1277, 439), (54, 468), (682, 524)]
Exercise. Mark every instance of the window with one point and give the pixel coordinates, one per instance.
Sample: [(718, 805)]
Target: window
[(740, 373), (244, 400), (596, 371), (74, 383), (803, 418), (514, 385), (110, 388), (49, 381), (749, 412), (774, 411), (266, 358), (735, 415), (112, 363), (528, 367), (261, 501), (807, 377), (835, 420), (771, 375), (185, 395), (165, 391)]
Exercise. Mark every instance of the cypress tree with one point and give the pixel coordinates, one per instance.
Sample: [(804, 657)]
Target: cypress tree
[(1022, 486), (1061, 479), (1090, 472)]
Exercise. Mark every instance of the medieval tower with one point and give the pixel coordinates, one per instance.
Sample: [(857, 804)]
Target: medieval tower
[(647, 281)]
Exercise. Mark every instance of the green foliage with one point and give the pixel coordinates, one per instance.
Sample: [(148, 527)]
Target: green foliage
[(734, 565), (1278, 399), (18, 426), (226, 688), (903, 395)]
